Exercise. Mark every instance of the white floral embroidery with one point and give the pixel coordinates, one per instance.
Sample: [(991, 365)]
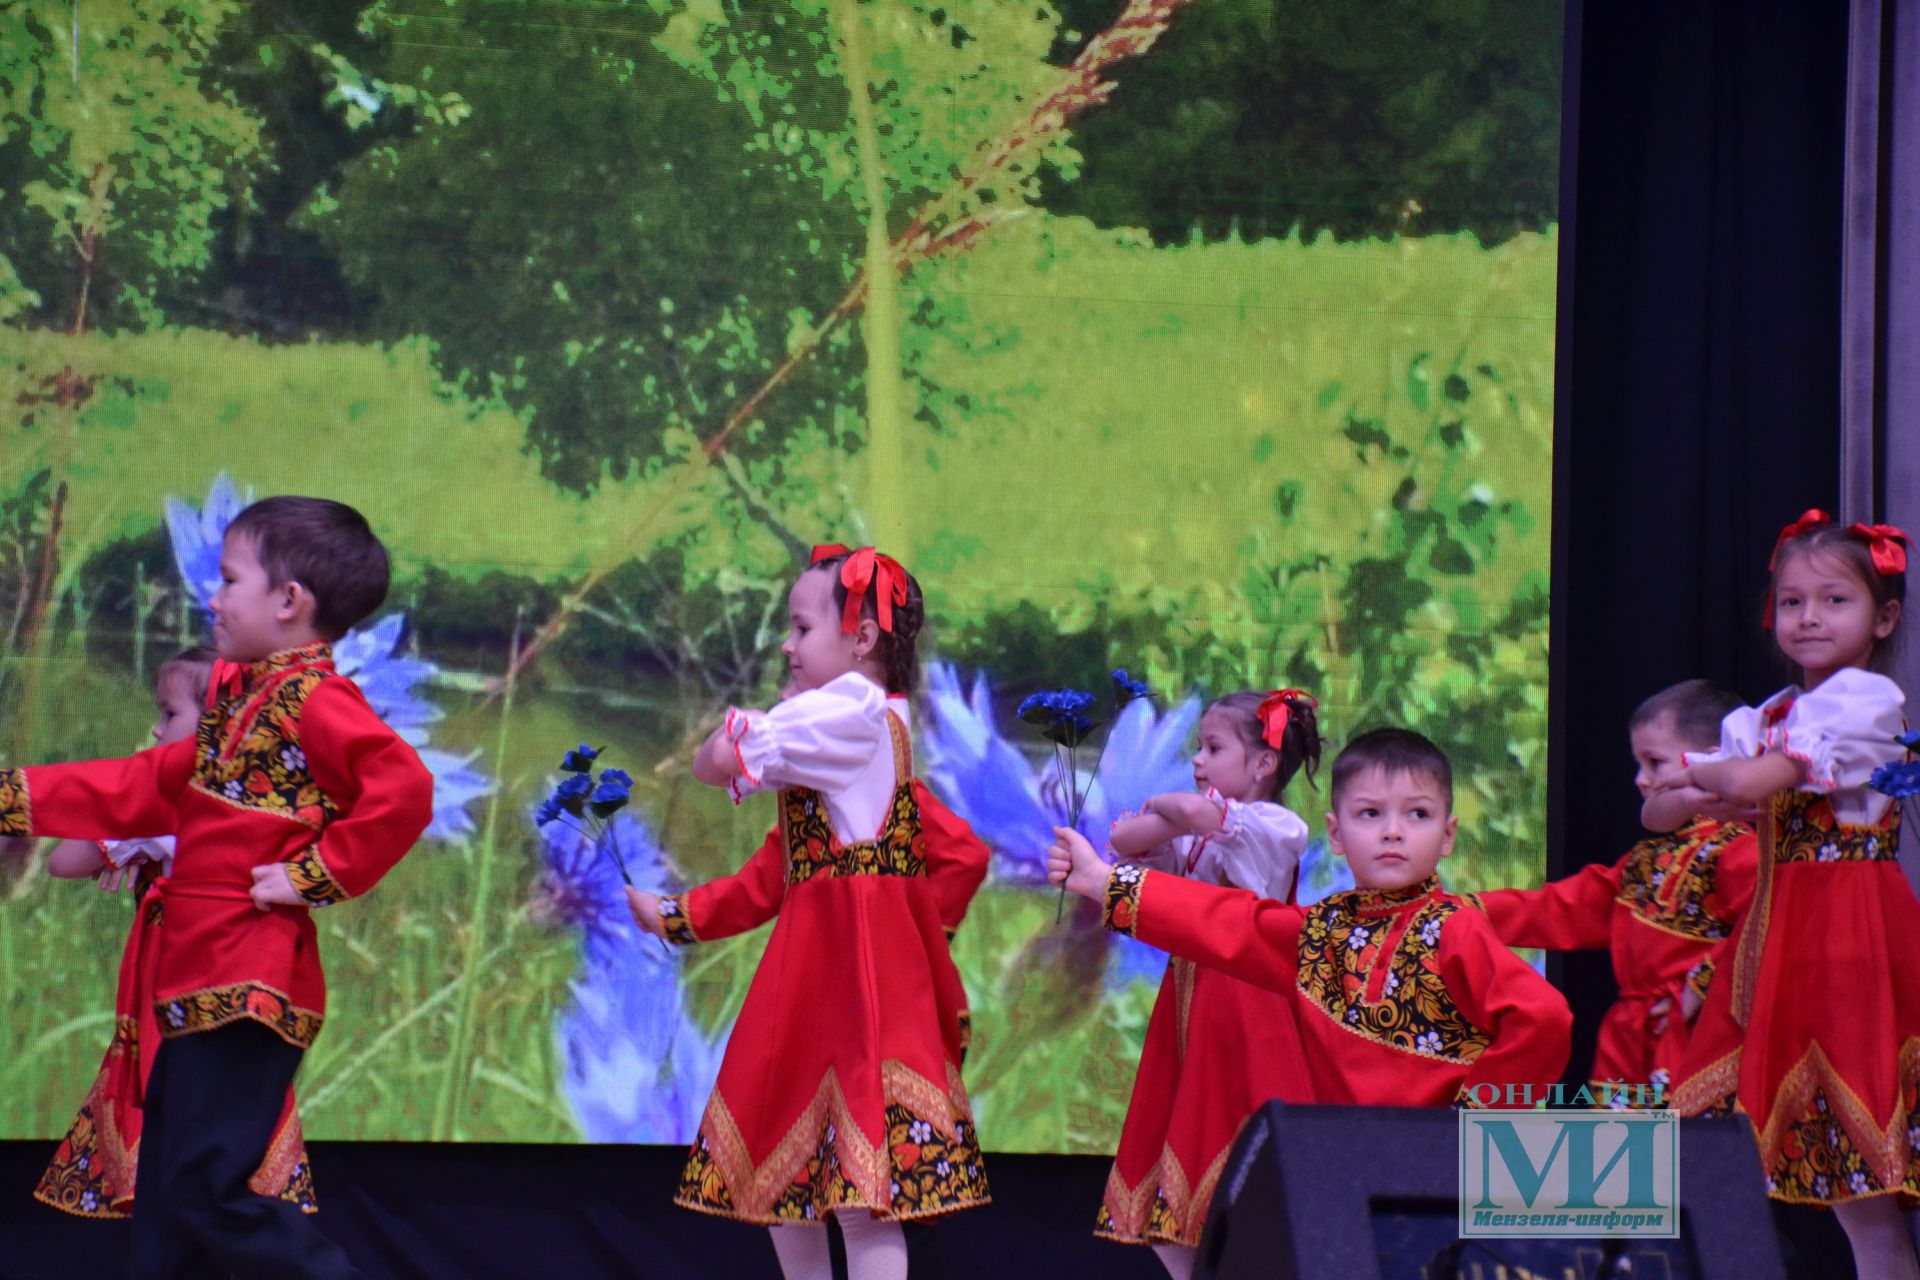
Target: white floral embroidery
[(1357, 939), (1428, 1042), (1430, 933)]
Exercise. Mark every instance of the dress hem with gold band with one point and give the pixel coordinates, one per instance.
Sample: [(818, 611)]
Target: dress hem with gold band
[(1216, 1049), (1661, 911), (1403, 998), (841, 1087), (1814, 1025), (91, 1175)]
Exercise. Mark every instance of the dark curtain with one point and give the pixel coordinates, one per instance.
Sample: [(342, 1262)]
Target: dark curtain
[(1699, 373)]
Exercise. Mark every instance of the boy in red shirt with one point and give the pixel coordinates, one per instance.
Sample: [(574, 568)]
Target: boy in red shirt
[(1404, 995), (1663, 909), (292, 794)]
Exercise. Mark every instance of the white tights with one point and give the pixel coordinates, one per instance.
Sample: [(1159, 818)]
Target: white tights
[(876, 1250), (1177, 1259), (1877, 1230)]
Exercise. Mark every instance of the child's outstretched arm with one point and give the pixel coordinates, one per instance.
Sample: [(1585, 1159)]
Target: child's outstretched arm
[(97, 799), (1570, 914), (1252, 938), (1674, 807), (721, 907)]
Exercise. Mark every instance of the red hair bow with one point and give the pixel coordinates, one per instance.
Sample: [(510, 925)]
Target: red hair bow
[(1275, 709), (1810, 519), (862, 571), (1886, 544)]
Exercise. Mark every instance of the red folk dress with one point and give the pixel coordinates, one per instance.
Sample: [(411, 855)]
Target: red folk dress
[(841, 1086), (1661, 910), (1816, 1027), (290, 767), (1216, 1049), (1403, 998)]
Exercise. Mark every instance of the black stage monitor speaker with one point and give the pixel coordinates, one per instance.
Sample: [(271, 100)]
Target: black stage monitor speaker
[(1372, 1193)]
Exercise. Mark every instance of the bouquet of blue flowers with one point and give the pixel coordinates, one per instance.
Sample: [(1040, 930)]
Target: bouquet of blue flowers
[(1062, 716), (587, 801)]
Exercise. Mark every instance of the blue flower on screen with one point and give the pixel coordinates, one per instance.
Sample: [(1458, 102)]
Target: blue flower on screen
[(580, 759), (372, 656), (634, 1066), (1013, 802)]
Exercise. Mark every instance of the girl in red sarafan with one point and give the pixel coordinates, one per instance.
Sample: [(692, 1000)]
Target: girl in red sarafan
[(1217, 1048), (91, 1175), (840, 1093), (1814, 1021)]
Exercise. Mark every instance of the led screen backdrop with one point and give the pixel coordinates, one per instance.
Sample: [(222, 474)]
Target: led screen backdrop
[(1210, 339)]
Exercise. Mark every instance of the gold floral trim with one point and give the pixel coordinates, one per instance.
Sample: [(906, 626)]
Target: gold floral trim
[(92, 1172), (312, 881), (1813, 1086), (214, 1007), (1709, 1088), (1371, 965), (1121, 910), (673, 918), (247, 753), (930, 1163), (285, 1173), (16, 804), (814, 849), (1163, 1209)]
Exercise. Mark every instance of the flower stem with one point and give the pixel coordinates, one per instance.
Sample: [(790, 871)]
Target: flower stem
[(1070, 781)]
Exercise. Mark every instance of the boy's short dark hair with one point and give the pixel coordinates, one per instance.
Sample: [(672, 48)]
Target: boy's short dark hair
[(1697, 708), (1392, 751), (325, 546)]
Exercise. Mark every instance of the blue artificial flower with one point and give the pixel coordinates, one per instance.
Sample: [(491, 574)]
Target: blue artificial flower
[(610, 796), (1126, 688), (580, 759), (456, 784), (370, 656), (572, 794), (1898, 780), (1910, 739), (1060, 713)]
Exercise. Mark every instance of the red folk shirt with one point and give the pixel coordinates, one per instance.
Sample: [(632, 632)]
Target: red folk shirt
[(1661, 910), (1404, 998), (293, 767)]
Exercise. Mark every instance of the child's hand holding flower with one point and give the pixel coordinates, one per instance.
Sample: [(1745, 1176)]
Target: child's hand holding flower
[(645, 907), (1073, 864)]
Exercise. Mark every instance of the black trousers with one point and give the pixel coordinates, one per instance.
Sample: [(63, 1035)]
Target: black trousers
[(211, 1106)]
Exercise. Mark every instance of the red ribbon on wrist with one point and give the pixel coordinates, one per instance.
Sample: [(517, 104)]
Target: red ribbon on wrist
[(1274, 711), (867, 570)]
